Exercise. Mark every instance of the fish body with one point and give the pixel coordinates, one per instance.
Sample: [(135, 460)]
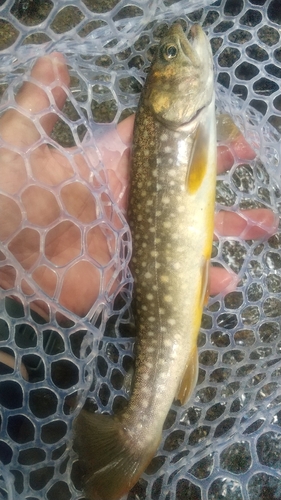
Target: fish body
[(171, 212)]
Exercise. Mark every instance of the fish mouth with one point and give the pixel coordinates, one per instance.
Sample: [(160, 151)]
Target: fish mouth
[(194, 33), (197, 46), (197, 114)]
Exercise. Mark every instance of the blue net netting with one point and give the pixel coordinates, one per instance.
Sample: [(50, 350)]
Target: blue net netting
[(226, 442)]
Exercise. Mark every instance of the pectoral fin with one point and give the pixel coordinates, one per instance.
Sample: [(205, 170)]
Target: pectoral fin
[(205, 283), (189, 379), (227, 131), (198, 163)]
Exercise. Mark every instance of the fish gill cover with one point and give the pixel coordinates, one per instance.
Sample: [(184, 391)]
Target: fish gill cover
[(226, 442)]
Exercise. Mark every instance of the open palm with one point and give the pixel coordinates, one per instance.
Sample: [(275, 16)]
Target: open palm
[(38, 203)]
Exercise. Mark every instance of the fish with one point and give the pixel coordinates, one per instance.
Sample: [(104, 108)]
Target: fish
[(171, 217)]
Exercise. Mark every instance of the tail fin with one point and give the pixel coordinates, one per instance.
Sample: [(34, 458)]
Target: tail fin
[(113, 458)]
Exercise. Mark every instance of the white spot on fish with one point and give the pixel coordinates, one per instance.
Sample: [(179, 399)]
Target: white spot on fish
[(149, 296), (165, 200), (151, 319), (148, 275), (161, 362), (163, 137), (168, 298), (181, 208), (149, 202), (150, 350), (145, 402), (154, 253), (167, 224), (171, 321), (168, 343), (172, 172), (167, 149)]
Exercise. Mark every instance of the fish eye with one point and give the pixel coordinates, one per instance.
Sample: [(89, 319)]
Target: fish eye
[(170, 51)]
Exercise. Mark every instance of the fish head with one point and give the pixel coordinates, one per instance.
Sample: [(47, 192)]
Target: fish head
[(180, 80)]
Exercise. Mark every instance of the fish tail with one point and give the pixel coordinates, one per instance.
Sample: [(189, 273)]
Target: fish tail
[(113, 458)]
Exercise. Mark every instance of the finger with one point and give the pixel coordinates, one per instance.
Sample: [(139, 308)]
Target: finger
[(225, 159), (114, 145), (16, 128), (233, 144), (125, 129), (238, 149), (9, 361), (242, 148), (222, 281), (246, 224)]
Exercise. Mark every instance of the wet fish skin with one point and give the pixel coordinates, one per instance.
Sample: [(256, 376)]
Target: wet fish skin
[(171, 213)]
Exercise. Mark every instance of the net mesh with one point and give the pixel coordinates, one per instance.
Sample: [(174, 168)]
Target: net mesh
[(226, 442)]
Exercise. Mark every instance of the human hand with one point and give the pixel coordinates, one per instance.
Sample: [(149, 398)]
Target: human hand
[(50, 167)]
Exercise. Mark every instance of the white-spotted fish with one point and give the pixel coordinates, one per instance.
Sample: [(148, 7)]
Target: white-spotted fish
[(171, 211)]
